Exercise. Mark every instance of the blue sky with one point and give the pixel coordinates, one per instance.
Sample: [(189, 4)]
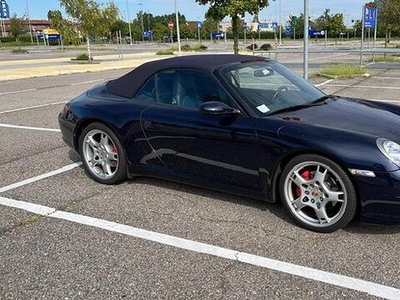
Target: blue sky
[(38, 9)]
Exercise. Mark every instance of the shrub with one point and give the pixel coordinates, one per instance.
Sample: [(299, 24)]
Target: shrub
[(266, 47), (186, 47), (198, 48), (82, 57), (7, 39), (165, 52), (19, 51), (252, 47)]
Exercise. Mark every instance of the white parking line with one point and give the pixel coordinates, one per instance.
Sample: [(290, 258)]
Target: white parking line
[(40, 177), (323, 83), (30, 107), (387, 78), (29, 128), (50, 87), (371, 288), (87, 82), (331, 56), (366, 86), (17, 92)]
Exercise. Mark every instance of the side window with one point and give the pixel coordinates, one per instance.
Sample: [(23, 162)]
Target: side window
[(147, 92), (164, 87), (193, 88)]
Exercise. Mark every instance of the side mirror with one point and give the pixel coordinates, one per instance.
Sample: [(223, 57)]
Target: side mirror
[(217, 108)]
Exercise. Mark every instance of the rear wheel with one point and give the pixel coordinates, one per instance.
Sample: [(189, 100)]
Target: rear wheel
[(102, 154), (318, 194)]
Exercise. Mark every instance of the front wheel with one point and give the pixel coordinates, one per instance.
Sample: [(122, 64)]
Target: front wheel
[(102, 154), (318, 194)]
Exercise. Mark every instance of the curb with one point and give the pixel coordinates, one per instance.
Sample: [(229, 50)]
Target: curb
[(61, 66)]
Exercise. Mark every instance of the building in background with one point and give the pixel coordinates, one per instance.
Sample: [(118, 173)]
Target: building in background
[(250, 26), (36, 25)]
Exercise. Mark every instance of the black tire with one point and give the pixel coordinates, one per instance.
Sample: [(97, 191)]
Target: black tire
[(102, 154), (317, 193)]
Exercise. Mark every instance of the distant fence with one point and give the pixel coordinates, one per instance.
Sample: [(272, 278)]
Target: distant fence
[(367, 51)]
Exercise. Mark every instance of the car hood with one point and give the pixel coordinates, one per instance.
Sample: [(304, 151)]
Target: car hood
[(351, 115)]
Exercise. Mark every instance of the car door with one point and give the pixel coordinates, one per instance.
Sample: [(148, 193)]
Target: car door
[(221, 148)]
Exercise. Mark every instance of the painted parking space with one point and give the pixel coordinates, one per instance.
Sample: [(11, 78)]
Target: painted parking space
[(212, 219), (382, 85)]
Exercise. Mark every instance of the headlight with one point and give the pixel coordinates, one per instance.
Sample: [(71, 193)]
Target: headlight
[(390, 149)]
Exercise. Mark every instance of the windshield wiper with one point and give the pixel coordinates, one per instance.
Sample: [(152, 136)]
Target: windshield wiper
[(324, 98), (319, 101)]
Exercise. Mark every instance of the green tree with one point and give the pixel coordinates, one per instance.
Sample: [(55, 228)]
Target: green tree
[(17, 27), (56, 18), (388, 16), (298, 25), (90, 18), (159, 31), (334, 24), (109, 16), (208, 26), (64, 27), (120, 25), (159, 25), (235, 9), (357, 27)]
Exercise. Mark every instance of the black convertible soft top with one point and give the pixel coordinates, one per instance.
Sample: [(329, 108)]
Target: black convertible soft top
[(128, 84)]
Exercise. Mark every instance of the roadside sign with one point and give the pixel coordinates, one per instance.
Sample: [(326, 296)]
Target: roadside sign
[(370, 14), (50, 31), (288, 31), (147, 34), (216, 35), (245, 26), (198, 24), (49, 36), (263, 25), (4, 10), (274, 25), (316, 32), (170, 24)]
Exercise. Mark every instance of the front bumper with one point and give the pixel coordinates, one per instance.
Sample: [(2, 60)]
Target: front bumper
[(380, 198)]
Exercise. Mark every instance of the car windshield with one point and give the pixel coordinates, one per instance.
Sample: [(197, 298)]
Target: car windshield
[(268, 87)]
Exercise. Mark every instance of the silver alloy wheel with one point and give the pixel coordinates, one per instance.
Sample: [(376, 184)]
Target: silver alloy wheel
[(100, 154), (315, 194)]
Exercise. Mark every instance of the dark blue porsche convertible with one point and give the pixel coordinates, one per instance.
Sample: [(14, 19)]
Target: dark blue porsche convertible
[(244, 125)]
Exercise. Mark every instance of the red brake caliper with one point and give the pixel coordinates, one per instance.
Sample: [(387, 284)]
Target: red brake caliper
[(114, 150), (307, 176)]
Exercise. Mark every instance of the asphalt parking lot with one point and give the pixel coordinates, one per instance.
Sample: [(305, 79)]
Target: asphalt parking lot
[(64, 236)]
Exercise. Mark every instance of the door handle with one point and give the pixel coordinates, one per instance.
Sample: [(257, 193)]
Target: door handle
[(153, 126)]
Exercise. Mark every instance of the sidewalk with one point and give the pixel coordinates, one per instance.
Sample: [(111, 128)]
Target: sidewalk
[(18, 69)]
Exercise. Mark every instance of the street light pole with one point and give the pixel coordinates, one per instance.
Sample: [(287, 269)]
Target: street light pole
[(29, 21), (141, 19), (177, 28), (129, 22), (305, 54), (280, 19)]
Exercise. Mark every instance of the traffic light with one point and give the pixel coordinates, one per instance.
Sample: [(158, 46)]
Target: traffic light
[(293, 21)]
